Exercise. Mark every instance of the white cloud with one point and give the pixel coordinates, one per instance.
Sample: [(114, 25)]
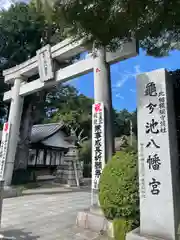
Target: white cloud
[(132, 90), (124, 77), (121, 82), (119, 96), (137, 69)]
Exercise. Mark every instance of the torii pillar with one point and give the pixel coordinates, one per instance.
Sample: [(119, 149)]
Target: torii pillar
[(14, 121), (102, 93)]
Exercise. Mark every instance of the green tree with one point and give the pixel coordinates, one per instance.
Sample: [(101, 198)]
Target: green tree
[(134, 122), (3, 105), (154, 23), (122, 122), (72, 108), (22, 32), (53, 29), (24, 29)]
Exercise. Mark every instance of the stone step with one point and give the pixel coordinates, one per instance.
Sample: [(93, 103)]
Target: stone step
[(39, 191), (44, 178)]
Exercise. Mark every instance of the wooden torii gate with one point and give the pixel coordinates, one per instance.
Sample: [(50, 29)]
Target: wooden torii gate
[(44, 63)]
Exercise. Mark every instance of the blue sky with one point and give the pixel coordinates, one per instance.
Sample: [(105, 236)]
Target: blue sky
[(123, 77)]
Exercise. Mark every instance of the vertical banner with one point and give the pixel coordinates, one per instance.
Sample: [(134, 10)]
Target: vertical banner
[(98, 143), (4, 148)]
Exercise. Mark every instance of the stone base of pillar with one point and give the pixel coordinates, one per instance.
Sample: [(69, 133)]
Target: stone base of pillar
[(10, 192), (135, 235), (94, 220)]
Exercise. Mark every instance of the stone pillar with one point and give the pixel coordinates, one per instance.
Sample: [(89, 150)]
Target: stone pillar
[(14, 121), (158, 158), (102, 93)]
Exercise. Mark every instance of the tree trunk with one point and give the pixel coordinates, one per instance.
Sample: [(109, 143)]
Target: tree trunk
[(31, 114), (22, 153)]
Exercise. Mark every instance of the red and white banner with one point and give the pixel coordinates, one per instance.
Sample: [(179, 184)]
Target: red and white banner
[(98, 143), (4, 148)]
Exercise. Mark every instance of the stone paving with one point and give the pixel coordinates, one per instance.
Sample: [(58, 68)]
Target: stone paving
[(45, 217)]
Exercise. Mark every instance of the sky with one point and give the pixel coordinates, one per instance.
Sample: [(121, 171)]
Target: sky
[(123, 74), (6, 3)]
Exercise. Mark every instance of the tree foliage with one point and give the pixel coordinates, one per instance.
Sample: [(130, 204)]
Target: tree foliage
[(122, 122), (21, 30), (64, 103), (154, 23), (53, 28)]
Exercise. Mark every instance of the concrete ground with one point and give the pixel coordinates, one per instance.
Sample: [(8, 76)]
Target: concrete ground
[(45, 217)]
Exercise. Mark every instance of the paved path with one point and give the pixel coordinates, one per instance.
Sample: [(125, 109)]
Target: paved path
[(44, 217)]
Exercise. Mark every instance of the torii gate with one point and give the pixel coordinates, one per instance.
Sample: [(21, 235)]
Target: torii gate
[(44, 63)]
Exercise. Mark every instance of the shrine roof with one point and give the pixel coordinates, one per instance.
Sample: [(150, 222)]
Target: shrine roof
[(50, 135), (42, 131)]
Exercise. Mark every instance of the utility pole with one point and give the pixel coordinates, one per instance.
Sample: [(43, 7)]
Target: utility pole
[(130, 130)]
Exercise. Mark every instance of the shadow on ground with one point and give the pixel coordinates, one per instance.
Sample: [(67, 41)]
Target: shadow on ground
[(17, 234)]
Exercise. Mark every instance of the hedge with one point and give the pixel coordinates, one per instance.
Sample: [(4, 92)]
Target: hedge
[(118, 191)]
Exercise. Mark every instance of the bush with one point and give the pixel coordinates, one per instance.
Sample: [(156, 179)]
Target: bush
[(130, 148), (118, 188), (121, 226)]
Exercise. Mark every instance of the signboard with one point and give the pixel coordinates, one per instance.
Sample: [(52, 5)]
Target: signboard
[(98, 143), (45, 64), (4, 148)]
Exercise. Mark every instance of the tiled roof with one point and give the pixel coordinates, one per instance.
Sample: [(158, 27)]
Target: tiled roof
[(42, 131), (57, 141), (49, 135)]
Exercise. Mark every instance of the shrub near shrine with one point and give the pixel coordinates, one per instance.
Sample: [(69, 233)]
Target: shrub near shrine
[(118, 190)]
